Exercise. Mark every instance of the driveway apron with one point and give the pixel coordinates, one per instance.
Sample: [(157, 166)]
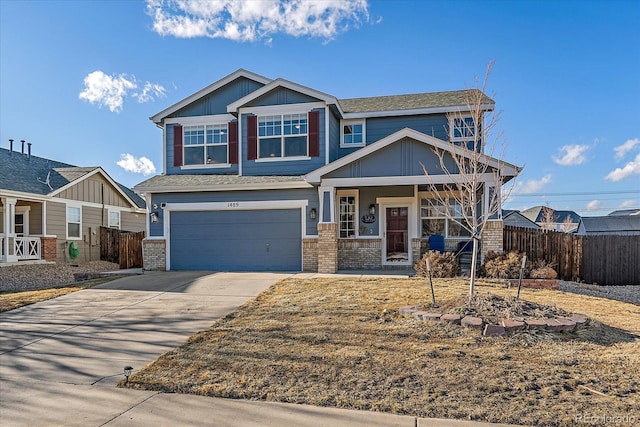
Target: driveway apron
[(55, 352)]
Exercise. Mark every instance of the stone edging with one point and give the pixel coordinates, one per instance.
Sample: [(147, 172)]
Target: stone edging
[(506, 326)]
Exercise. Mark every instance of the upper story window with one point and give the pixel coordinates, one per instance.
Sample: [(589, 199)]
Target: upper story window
[(352, 134), (283, 136), (462, 129), (206, 144), (114, 219), (74, 222)]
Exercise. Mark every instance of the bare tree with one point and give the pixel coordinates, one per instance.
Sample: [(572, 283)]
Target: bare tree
[(471, 192), (549, 219), (568, 224)]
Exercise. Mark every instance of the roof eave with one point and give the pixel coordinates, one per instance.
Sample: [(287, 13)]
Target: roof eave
[(221, 187)]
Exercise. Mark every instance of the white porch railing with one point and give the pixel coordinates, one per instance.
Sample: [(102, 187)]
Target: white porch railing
[(27, 247)]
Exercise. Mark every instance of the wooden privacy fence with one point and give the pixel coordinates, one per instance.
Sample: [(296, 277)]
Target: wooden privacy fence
[(563, 250), (122, 247), (611, 260)]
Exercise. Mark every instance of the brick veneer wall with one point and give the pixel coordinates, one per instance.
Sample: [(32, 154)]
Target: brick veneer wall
[(154, 254), (492, 238), (49, 248), (327, 247), (310, 254), (359, 254)]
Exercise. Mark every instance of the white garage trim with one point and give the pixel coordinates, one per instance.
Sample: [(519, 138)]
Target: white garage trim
[(229, 206)]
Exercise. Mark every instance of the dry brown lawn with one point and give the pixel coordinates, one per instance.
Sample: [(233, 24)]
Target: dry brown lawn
[(13, 300), (329, 342)]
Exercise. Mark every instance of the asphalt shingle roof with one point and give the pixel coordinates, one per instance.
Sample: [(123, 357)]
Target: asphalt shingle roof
[(30, 174), (611, 223), (411, 101)]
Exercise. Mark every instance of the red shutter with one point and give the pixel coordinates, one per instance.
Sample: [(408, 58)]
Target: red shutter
[(233, 142), (252, 137), (314, 134), (177, 145)]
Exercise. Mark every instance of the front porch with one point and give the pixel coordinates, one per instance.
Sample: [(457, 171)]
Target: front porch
[(22, 236)]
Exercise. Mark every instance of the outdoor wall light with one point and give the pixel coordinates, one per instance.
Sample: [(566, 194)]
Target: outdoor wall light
[(153, 216), (372, 209), (127, 372), (313, 213)]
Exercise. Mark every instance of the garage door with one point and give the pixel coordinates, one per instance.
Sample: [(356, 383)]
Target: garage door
[(255, 240)]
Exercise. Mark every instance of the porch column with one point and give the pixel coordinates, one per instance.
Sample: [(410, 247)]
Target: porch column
[(492, 238), (327, 232), (9, 211)]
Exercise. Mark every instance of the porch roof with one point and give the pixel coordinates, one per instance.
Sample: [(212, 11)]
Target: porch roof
[(180, 183)]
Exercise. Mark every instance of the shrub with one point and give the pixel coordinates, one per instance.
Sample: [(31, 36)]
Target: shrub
[(543, 270), (442, 265), (504, 265)]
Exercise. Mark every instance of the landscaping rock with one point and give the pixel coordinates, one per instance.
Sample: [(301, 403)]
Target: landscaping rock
[(536, 324), (579, 319), (511, 325), (494, 331), (419, 314), (472, 322), (567, 324), (554, 325), (451, 318), (409, 310), (431, 316)]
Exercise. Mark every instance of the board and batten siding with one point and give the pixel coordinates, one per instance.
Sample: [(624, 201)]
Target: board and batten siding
[(310, 194), (217, 101), (94, 190), (281, 96)]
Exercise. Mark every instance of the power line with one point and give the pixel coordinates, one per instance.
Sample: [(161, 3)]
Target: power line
[(582, 193)]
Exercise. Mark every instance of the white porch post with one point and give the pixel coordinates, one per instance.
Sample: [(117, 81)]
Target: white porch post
[(9, 210)]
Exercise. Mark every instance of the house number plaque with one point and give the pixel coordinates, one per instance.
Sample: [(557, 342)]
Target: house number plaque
[(368, 219), (233, 204)]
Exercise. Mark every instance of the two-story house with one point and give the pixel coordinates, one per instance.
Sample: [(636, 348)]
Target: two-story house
[(263, 174)]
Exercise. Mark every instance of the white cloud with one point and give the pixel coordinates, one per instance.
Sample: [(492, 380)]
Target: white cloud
[(251, 20), (111, 90), (628, 204), (622, 150), (631, 168), (141, 165), (531, 186), (594, 205), (571, 155)]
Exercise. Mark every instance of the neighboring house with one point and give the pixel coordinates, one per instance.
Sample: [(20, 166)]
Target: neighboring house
[(263, 174), (623, 225), (516, 219), (49, 208), (551, 219), (625, 212)]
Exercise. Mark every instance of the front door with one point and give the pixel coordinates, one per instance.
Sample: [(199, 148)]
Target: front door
[(397, 235)]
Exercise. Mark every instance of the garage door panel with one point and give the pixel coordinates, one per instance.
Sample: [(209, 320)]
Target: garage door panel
[(236, 240)]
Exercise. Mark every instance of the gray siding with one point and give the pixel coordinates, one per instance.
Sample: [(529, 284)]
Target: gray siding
[(334, 137), (257, 168), (130, 221), (402, 158), (216, 102), (281, 96), (367, 196), (311, 194), (433, 125), (94, 190)]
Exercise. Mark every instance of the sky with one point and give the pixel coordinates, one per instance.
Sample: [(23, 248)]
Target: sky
[(80, 79)]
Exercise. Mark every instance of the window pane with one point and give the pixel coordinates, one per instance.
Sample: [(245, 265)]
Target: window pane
[(73, 214), (295, 146), (295, 124), (217, 154), (457, 230), (347, 216), (432, 208), (193, 135), (217, 134), (432, 226), (270, 147), (352, 134), (73, 229), (194, 155), (269, 125)]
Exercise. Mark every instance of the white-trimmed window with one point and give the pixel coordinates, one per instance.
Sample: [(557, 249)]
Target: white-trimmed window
[(74, 222), (114, 219), (434, 219), (462, 129), (283, 135), (206, 144), (347, 213), (352, 133)]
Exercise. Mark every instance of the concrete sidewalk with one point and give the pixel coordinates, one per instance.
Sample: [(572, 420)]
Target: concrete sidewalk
[(60, 359)]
